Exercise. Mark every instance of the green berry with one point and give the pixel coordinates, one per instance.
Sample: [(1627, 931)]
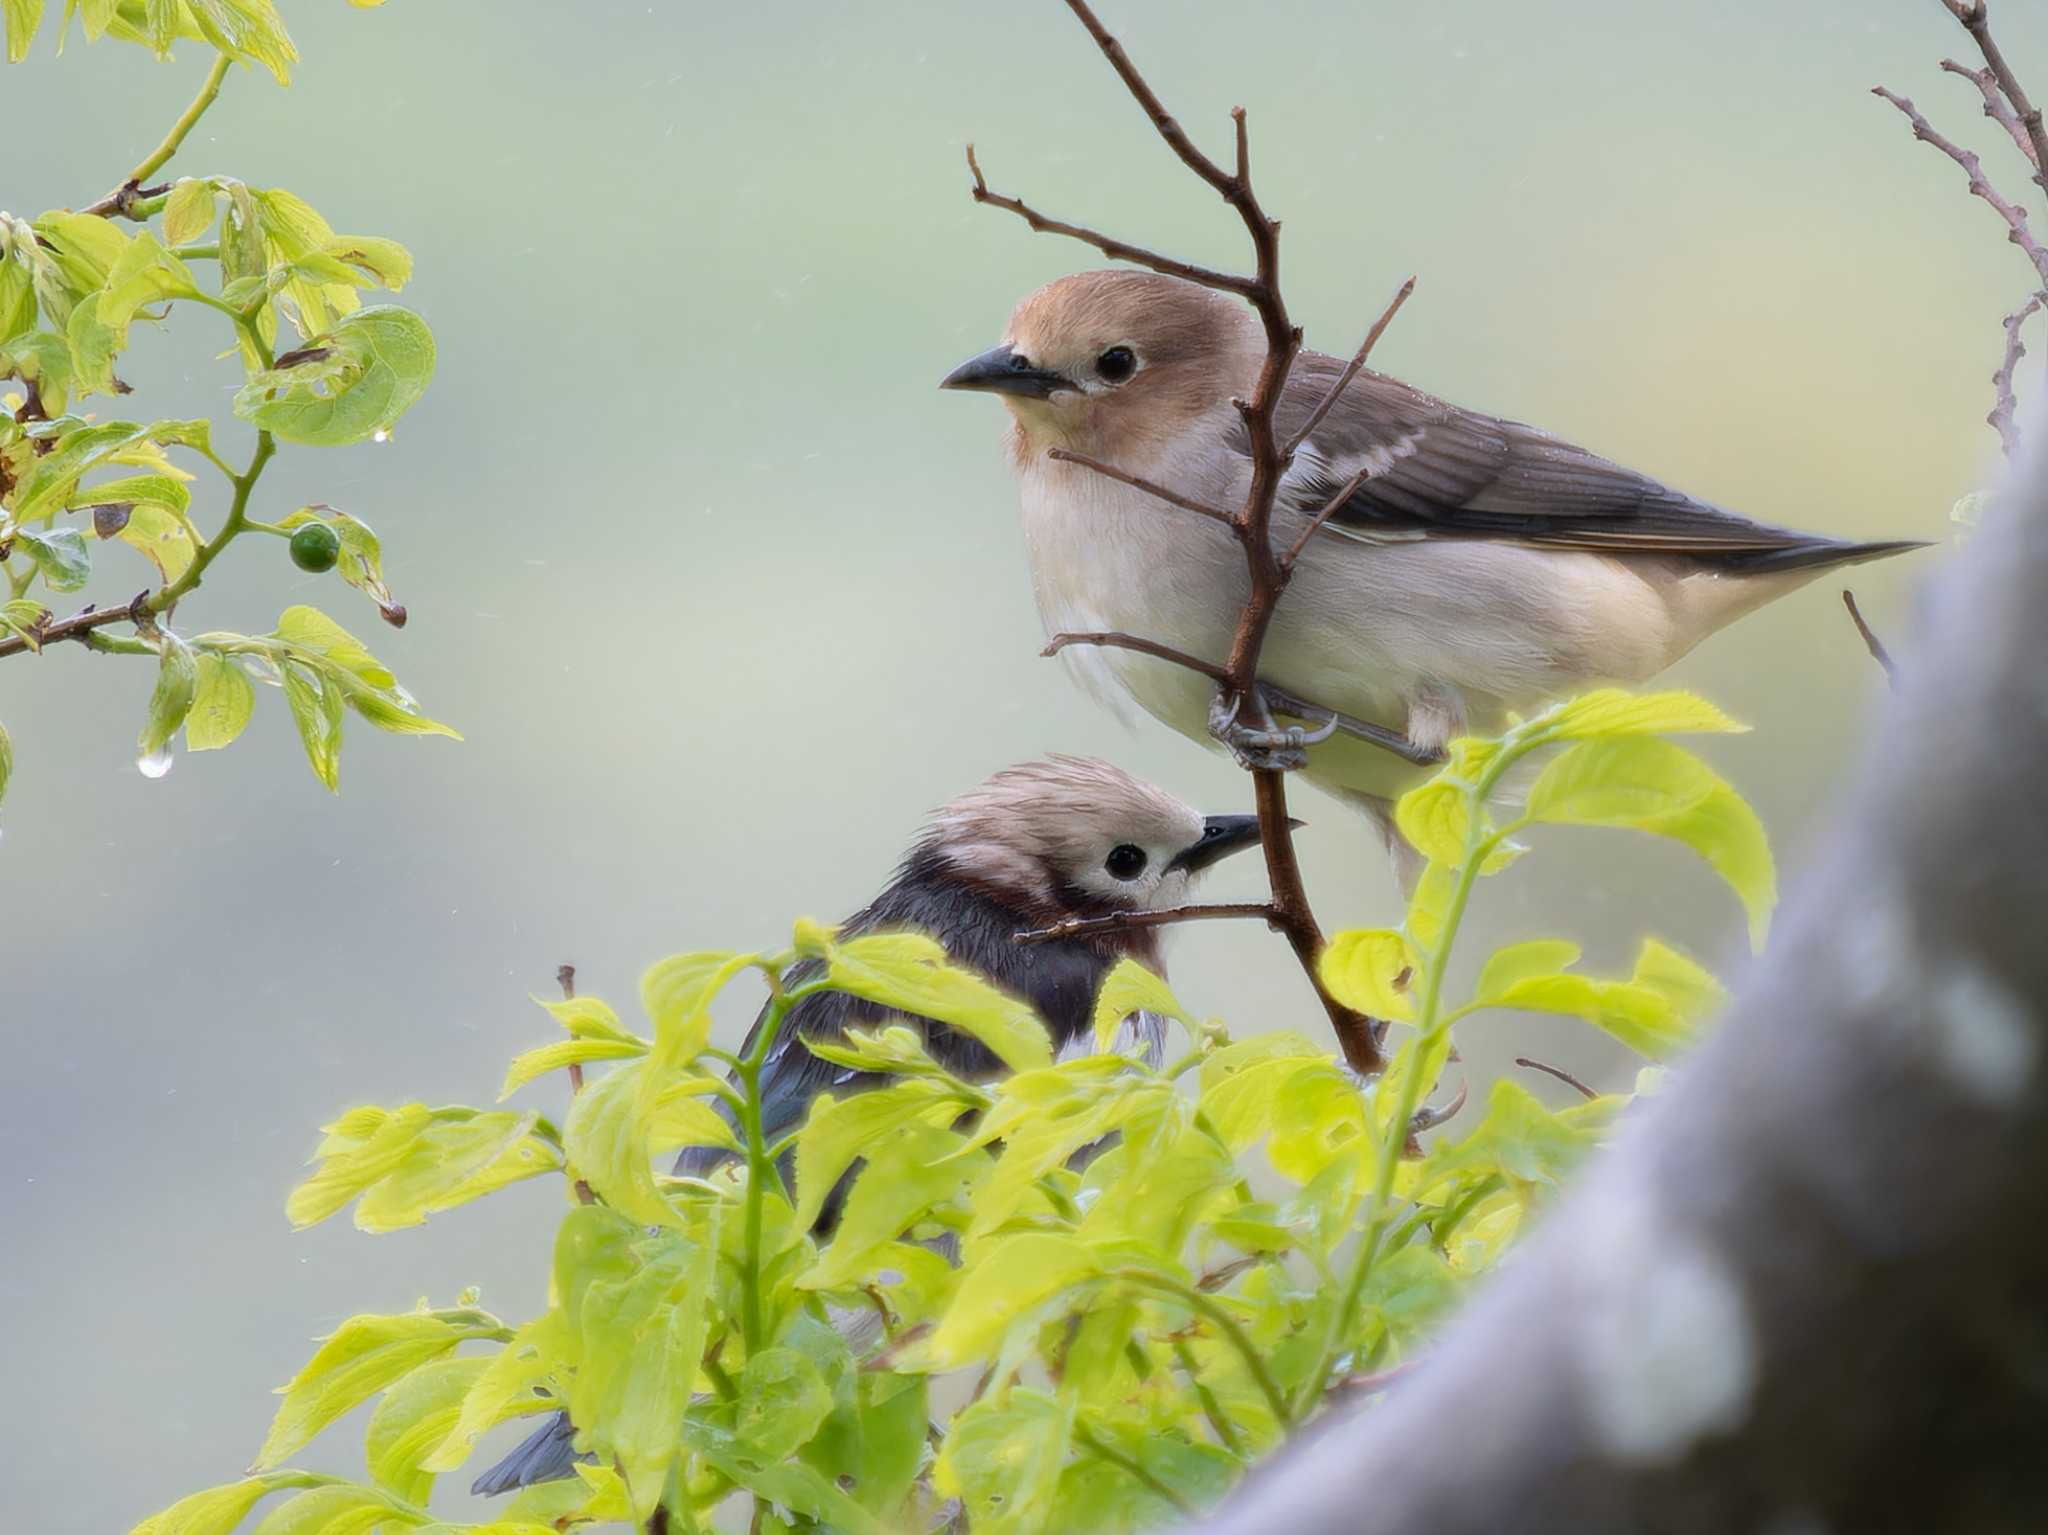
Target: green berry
[(315, 547)]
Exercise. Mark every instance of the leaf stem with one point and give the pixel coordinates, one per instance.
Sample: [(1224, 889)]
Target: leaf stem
[(1207, 1307), (1480, 843), (121, 200), (1085, 1438), (759, 1166), (237, 522)]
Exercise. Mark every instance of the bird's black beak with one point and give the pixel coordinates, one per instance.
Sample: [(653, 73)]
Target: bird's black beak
[(1002, 371), (1222, 835)]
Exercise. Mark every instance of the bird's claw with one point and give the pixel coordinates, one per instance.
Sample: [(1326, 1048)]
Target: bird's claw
[(1278, 749)]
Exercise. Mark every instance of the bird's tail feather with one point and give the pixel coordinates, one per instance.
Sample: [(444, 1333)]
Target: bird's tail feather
[(546, 1455), (1818, 554)]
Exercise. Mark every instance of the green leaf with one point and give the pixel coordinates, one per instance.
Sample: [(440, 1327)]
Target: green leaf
[(413, 1419), (1002, 1458), (1010, 1283), (60, 554), (361, 1147), (1436, 818), (221, 705), (177, 684), (316, 710), (506, 1388), (1131, 988), (790, 1484), (782, 1401), (563, 1053), (345, 1509), (1519, 1139), (838, 1130), (17, 297), (456, 1157), (358, 1359), (1653, 786), (1519, 961), (1368, 970), (215, 1511), (384, 262), (1610, 712), (639, 1306), (247, 29), (911, 1168), (47, 487), (354, 381), (189, 210), (23, 17), (6, 760), (1653, 1012), (911, 974), (607, 1144)]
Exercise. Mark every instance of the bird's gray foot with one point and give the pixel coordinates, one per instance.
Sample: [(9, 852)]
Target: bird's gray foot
[(1269, 748)]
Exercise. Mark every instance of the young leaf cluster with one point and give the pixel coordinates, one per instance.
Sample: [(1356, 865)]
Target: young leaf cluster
[(159, 500), (1116, 1287)]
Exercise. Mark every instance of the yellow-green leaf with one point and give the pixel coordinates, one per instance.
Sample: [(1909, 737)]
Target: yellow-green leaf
[(1436, 818), (188, 211), (1368, 970), (1518, 961), (358, 1359), (505, 1388), (23, 17), (413, 1419), (221, 705), (608, 1146), (216, 1511), (563, 1053), (1131, 988), (914, 977), (1012, 1280), (1608, 712)]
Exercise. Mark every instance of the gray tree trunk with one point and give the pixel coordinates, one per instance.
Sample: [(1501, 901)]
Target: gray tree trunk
[(1807, 1290)]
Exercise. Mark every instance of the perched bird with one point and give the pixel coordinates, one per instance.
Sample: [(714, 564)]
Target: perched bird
[(1482, 567), (1031, 846)]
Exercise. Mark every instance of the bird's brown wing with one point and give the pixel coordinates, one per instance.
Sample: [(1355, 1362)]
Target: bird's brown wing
[(1441, 472)]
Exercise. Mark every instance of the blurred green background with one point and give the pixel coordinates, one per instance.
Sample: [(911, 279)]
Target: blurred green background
[(725, 594)]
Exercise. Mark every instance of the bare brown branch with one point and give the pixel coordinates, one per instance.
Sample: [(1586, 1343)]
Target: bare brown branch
[(1996, 107), (78, 625), (1558, 1072), (1109, 245), (1324, 513), (2005, 407), (1379, 326), (1170, 497), (1112, 640), (2015, 218), (1976, 19), (1129, 921)]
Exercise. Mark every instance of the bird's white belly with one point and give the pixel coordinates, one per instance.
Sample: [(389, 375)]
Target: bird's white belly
[(1433, 638)]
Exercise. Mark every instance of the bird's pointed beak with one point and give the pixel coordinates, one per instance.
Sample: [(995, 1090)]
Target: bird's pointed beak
[(1000, 370), (1222, 835)]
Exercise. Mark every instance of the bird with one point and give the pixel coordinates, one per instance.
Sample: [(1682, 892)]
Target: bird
[(1482, 569), (1032, 846)]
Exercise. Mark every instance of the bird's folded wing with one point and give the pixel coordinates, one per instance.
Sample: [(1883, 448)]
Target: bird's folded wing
[(1439, 471)]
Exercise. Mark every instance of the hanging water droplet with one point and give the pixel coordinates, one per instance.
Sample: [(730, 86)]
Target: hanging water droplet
[(262, 668), (380, 435), (157, 763)]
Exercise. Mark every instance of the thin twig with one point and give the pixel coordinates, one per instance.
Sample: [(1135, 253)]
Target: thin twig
[(1368, 1384), (1114, 640), (565, 976), (2015, 218), (1171, 497), (1558, 1071), (78, 625), (1996, 107), (1116, 250), (1130, 921), (1329, 509), (1871, 642), (1315, 417), (1976, 19), (2006, 406)]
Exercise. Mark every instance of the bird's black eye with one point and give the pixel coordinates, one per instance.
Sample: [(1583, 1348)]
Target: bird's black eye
[(1116, 365), (1125, 861)]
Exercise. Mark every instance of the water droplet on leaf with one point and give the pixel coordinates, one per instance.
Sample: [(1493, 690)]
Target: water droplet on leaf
[(157, 763)]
